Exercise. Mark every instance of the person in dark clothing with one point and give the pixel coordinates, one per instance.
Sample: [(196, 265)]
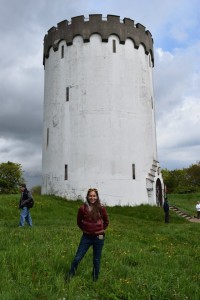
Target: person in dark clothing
[(92, 219), (166, 210), (25, 203)]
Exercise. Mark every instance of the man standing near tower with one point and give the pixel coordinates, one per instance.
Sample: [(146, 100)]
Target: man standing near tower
[(25, 203)]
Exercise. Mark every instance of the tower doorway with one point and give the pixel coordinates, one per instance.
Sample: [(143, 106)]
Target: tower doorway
[(158, 192)]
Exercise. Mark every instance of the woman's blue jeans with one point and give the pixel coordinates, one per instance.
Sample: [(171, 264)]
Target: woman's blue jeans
[(25, 215), (85, 243)]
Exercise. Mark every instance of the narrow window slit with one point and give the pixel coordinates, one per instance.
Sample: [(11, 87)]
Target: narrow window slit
[(67, 93), (66, 172), (47, 137), (133, 171), (114, 46), (62, 52)]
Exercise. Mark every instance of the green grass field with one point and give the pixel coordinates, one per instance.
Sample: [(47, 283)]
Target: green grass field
[(143, 258)]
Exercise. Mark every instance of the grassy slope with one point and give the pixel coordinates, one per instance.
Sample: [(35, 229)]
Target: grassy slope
[(186, 202), (143, 258)]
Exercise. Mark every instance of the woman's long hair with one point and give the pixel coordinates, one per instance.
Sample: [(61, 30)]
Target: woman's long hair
[(95, 213)]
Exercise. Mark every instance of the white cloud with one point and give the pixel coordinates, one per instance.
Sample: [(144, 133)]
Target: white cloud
[(180, 127), (177, 89)]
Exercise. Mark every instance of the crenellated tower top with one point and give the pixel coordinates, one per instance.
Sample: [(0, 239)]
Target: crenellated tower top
[(105, 27)]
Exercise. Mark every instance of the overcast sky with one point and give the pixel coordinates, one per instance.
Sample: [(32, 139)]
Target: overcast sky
[(175, 27)]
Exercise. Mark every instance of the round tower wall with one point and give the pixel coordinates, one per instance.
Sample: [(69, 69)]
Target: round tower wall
[(105, 126)]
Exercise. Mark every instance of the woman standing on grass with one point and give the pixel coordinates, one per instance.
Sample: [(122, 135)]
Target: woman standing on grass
[(92, 219)]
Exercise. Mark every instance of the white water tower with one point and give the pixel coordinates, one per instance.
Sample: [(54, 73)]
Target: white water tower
[(99, 115)]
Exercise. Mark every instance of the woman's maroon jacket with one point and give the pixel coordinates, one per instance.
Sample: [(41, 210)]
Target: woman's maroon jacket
[(89, 226)]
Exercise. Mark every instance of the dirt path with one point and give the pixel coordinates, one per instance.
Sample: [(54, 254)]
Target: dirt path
[(194, 220)]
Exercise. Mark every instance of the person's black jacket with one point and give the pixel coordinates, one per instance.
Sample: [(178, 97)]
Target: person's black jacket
[(26, 199), (166, 206)]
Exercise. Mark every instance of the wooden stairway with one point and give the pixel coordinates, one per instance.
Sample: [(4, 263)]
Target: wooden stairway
[(184, 214)]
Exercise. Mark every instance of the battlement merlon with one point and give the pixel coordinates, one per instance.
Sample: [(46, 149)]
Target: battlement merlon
[(96, 24)]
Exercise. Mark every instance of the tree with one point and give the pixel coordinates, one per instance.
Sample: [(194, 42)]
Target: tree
[(193, 174), (168, 180), (11, 175), (182, 181)]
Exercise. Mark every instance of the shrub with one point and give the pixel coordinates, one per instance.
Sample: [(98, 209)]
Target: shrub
[(185, 189), (36, 190)]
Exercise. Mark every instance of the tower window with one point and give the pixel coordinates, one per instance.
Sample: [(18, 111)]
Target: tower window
[(152, 102), (133, 171), (114, 46), (67, 93), (62, 52), (66, 172), (149, 60), (47, 137)]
